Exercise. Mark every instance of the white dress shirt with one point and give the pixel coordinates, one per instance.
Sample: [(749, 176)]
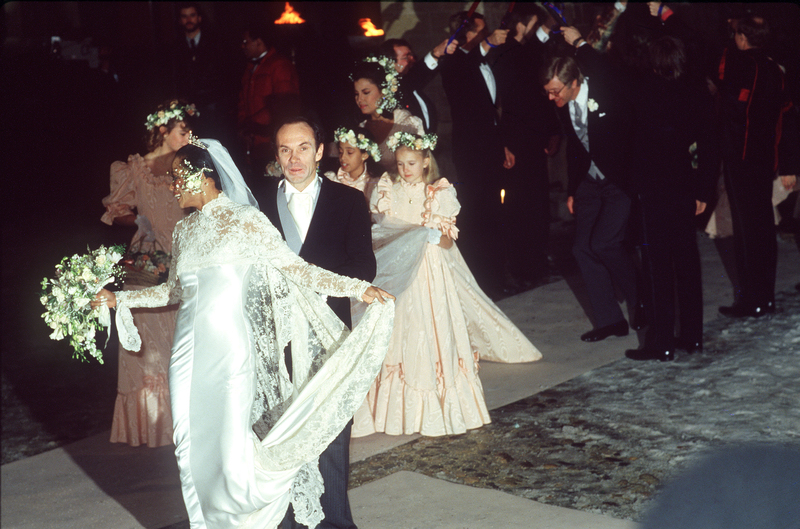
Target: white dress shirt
[(302, 203)]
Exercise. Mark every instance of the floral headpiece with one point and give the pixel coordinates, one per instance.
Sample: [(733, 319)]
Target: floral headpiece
[(193, 177), (389, 87), (359, 141), (175, 111), (412, 141)]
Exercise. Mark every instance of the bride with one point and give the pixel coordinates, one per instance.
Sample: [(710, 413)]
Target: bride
[(247, 437)]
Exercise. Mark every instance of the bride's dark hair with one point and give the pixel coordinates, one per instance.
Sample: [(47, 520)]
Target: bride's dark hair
[(200, 158)]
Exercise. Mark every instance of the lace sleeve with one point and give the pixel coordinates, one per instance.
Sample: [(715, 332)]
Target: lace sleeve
[(167, 293), (279, 255)]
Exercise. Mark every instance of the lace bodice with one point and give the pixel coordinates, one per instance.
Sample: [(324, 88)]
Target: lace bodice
[(225, 232)]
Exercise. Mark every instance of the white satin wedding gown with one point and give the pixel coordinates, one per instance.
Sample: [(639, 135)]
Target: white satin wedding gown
[(243, 296)]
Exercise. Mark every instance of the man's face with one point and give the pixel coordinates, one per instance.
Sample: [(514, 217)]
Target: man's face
[(404, 59), (480, 25), (561, 94), (252, 48), (298, 154), (190, 19)]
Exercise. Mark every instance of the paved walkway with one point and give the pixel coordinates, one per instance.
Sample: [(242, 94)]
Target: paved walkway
[(96, 484)]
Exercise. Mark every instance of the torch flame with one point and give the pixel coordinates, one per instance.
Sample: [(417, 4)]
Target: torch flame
[(369, 28), (289, 16)]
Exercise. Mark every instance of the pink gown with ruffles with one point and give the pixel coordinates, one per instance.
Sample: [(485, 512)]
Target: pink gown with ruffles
[(444, 324), (142, 409)]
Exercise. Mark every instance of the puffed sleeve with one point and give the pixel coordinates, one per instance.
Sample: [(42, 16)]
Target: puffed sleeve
[(381, 199), (442, 207), (122, 199)]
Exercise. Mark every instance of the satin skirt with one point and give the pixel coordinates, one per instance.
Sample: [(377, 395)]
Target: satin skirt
[(212, 385)]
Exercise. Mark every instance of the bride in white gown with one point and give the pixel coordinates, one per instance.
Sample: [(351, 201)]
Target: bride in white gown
[(247, 438)]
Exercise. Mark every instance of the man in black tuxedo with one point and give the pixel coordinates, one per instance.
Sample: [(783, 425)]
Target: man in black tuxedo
[(199, 71), (413, 79), (478, 152), (328, 225), (597, 122), (529, 127)]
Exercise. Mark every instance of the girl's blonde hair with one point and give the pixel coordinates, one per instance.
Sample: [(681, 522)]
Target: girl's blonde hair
[(431, 173)]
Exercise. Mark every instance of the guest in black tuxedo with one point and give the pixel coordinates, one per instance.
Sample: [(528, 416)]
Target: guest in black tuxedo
[(671, 123), (597, 122), (199, 72), (478, 151), (529, 128), (327, 224), (413, 79), (752, 99)]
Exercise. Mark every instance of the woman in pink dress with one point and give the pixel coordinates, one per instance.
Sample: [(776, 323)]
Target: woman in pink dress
[(444, 324), (140, 195), (355, 149)]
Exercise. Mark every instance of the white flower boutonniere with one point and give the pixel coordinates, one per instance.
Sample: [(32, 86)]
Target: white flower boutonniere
[(592, 104)]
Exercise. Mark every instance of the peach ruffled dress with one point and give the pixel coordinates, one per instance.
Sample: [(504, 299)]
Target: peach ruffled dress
[(142, 409), (444, 324)]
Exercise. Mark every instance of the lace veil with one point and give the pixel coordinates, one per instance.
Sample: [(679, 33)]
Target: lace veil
[(232, 182)]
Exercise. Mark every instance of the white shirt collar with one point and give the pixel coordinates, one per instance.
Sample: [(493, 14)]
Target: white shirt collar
[(311, 189)]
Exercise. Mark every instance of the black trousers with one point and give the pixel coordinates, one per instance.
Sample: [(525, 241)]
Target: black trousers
[(673, 262), (749, 188), (526, 214), (601, 218)]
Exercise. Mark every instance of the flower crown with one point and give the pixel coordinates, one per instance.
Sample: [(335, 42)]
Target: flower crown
[(175, 111), (412, 141), (389, 87), (359, 141)]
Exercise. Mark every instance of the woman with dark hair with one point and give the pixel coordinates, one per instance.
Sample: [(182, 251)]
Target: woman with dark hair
[(376, 92), (247, 435), (140, 196)]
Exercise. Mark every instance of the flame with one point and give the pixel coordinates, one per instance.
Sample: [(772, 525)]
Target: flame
[(289, 16), (502, 196), (369, 28)]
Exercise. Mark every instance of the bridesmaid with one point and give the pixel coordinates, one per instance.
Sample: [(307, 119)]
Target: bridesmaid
[(444, 324), (355, 149), (140, 196), (375, 83)]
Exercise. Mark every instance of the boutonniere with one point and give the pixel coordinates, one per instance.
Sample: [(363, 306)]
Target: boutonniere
[(592, 104)]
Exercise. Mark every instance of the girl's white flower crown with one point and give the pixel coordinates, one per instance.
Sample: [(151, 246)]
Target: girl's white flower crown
[(389, 87), (175, 111), (412, 141), (359, 141)]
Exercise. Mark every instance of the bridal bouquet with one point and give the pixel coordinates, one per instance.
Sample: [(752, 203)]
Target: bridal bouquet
[(67, 298)]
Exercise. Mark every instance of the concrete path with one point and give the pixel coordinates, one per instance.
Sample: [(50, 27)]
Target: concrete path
[(96, 484)]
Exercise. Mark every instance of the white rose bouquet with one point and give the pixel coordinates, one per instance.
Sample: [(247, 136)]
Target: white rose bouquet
[(67, 298)]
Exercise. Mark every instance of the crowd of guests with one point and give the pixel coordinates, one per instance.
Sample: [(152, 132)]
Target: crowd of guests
[(644, 139)]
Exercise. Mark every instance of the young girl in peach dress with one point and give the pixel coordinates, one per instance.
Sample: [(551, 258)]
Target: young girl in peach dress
[(140, 195), (356, 148), (444, 324)]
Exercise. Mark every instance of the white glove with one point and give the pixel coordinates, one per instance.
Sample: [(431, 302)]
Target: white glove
[(434, 236)]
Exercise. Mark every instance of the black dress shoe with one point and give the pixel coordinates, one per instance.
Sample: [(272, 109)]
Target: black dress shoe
[(691, 347), (742, 310), (616, 329), (650, 354)]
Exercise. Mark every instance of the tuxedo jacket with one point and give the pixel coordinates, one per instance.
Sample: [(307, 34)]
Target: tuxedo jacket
[(199, 71), (415, 80), (610, 125), (528, 119), (474, 115), (339, 237)]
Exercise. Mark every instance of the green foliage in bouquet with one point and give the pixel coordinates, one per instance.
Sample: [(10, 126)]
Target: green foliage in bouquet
[(67, 298)]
